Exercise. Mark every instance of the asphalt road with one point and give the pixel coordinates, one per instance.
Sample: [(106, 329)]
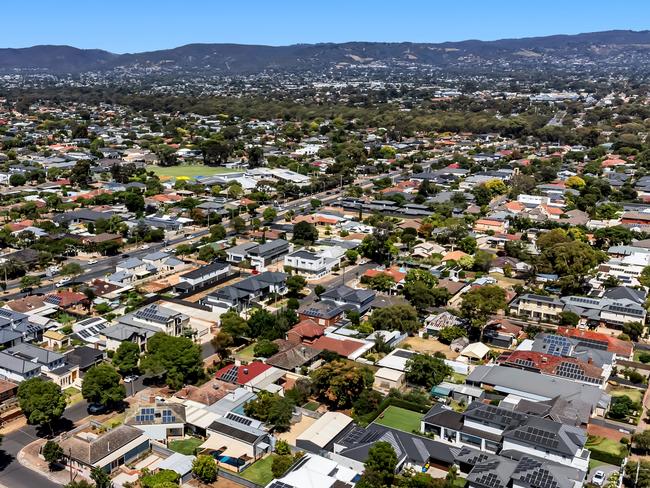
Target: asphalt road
[(15, 475)]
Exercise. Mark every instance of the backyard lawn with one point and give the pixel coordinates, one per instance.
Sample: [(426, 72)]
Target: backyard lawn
[(246, 354), (189, 171), (634, 394), (260, 471), (603, 449), (185, 446), (400, 419)]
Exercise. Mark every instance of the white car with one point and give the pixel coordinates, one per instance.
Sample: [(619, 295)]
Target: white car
[(63, 282), (598, 478), (92, 261), (145, 246), (131, 378)]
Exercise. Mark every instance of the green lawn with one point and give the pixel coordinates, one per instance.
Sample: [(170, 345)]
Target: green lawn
[(634, 394), (190, 171), (603, 444), (313, 406), (260, 471), (400, 419), (594, 463), (185, 446), (247, 353)]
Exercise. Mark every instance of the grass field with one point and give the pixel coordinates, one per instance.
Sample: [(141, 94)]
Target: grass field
[(246, 354), (400, 419), (185, 446), (260, 471), (634, 394), (313, 406), (190, 171)]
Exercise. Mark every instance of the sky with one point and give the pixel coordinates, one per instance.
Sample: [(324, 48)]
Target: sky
[(143, 25)]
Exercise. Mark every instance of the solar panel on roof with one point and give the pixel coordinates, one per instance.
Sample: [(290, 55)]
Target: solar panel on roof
[(230, 376), (238, 418)]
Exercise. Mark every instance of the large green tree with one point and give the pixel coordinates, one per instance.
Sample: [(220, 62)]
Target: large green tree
[(401, 317), (339, 383), (425, 370), (177, 359), (481, 302), (126, 358), (379, 467), (101, 384), (41, 401)]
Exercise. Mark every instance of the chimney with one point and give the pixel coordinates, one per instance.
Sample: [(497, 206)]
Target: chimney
[(590, 360), (245, 370), (544, 359)]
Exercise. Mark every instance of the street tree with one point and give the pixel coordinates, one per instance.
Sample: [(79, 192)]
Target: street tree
[(126, 358), (41, 401), (53, 453), (102, 385)]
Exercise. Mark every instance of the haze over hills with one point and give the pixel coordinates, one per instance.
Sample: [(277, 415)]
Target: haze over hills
[(598, 50)]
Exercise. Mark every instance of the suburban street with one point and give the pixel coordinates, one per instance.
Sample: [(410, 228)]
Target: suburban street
[(15, 475)]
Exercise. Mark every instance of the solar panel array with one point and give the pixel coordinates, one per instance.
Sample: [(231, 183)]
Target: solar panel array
[(92, 330), (575, 372), (146, 415), (525, 362), (592, 343), (557, 345), (279, 484), (168, 417), (537, 436), (489, 480), (151, 314), (6, 313), (230, 376), (238, 418), (526, 464), (541, 478)]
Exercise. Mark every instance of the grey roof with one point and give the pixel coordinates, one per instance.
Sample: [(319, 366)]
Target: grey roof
[(204, 270), (537, 387), (623, 292), (414, 448), (16, 364), (43, 356), (124, 332), (269, 248), (237, 430)]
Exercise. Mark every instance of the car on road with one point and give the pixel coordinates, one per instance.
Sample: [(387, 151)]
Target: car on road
[(96, 409), (144, 246), (92, 261), (125, 255), (63, 282), (130, 378), (598, 478)]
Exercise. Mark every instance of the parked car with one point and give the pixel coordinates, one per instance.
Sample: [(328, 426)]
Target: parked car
[(97, 409), (92, 261), (598, 478), (63, 282), (130, 378)]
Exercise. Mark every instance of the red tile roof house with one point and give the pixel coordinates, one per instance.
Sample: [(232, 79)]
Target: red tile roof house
[(347, 348), (305, 332), (548, 364), (66, 299), (622, 349), (240, 374)]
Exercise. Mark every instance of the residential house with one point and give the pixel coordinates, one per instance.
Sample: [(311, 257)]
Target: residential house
[(160, 421), (85, 448), (259, 255), (537, 307), (237, 443), (496, 429), (209, 275), (243, 294), (585, 399)]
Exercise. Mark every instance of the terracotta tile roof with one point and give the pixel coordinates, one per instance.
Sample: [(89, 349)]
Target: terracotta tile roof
[(308, 328), (547, 363), (343, 347), (454, 255), (243, 373), (615, 345), (393, 272)]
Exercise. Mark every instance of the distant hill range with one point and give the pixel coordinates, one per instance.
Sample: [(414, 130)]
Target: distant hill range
[(596, 50)]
